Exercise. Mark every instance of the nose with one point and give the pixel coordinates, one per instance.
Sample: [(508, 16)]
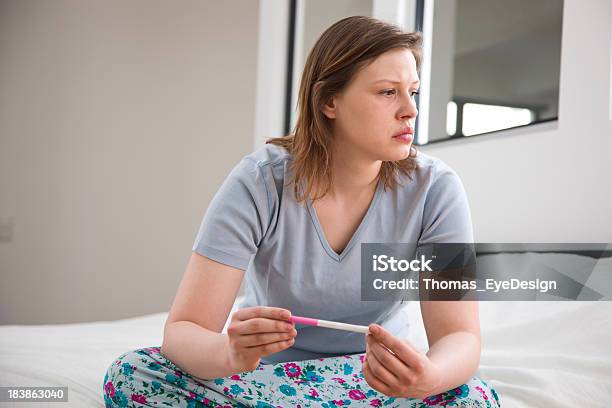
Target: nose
[(407, 108)]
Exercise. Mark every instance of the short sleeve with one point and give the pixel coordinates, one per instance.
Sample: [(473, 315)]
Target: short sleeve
[(446, 217), (237, 217)]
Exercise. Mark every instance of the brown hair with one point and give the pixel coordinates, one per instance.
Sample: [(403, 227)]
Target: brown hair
[(342, 50)]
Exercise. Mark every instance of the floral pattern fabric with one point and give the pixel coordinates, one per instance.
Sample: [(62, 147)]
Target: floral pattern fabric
[(144, 377)]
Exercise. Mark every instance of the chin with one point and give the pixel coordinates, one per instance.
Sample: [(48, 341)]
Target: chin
[(398, 154)]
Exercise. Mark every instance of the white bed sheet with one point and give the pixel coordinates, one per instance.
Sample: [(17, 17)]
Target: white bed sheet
[(535, 354)]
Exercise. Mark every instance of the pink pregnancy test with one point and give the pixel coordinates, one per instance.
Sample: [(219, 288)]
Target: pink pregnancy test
[(329, 324)]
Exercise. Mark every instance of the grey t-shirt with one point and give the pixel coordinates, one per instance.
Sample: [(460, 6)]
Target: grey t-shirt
[(254, 223)]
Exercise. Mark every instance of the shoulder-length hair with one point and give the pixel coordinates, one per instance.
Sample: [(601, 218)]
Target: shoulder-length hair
[(340, 52)]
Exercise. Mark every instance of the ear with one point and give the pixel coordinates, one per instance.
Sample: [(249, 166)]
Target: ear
[(329, 107)]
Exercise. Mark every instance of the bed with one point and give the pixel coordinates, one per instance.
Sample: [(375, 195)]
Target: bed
[(535, 354)]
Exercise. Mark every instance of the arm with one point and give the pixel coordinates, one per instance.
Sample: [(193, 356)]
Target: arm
[(231, 231), (192, 334), (197, 316), (453, 334), (453, 327)]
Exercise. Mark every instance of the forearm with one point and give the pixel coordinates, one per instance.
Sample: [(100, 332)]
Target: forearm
[(457, 356), (198, 351)]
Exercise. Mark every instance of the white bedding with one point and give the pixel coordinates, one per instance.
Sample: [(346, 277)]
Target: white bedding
[(535, 354)]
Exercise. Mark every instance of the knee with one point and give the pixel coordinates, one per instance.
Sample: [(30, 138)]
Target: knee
[(127, 363), (474, 393), (120, 373), (123, 366), (481, 393), (486, 394)]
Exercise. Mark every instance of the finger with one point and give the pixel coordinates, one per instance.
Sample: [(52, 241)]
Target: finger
[(373, 380), (268, 312), (252, 340), (404, 351), (380, 371), (262, 325), (271, 348), (401, 372)]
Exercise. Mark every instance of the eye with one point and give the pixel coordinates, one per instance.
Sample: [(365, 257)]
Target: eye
[(388, 92)]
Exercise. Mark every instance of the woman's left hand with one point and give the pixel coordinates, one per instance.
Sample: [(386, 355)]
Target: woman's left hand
[(392, 366)]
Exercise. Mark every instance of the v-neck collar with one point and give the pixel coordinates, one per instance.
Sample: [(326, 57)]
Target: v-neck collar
[(315, 219)]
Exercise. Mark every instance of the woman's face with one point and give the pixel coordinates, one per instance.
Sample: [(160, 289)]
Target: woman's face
[(377, 105)]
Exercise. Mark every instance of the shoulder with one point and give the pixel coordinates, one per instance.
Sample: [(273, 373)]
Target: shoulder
[(439, 182), (259, 167), (263, 172), (269, 155), (446, 212), (434, 165), (431, 170)]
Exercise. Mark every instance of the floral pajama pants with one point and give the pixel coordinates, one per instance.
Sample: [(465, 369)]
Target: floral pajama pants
[(143, 377)]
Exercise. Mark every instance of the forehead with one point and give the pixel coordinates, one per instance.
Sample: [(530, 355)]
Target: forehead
[(396, 65)]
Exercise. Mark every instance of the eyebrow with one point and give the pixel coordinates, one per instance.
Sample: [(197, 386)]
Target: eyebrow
[(394, 82)]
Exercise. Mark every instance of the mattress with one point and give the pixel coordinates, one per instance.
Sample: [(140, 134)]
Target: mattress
[(535, 354)]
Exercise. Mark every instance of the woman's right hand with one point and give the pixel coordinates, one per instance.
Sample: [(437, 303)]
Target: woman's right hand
[(258, 331)]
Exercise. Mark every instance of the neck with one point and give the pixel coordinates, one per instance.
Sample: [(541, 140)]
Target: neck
[(353, 173)]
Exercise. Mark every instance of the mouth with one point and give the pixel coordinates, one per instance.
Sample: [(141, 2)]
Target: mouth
[(405, 134), (405, 131)]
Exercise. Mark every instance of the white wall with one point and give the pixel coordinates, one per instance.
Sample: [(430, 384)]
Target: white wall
[(552, 182), (118, 122)]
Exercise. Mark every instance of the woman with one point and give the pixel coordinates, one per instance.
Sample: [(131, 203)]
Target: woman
[(292, 215)]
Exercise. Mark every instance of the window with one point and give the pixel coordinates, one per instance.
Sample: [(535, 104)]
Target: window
[(490, 65)]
